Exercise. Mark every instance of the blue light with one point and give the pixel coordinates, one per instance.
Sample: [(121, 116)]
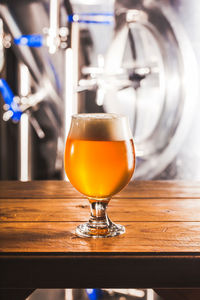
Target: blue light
[(92, 18), (30, 40), (94, 294), (8, 97), (6, 92)]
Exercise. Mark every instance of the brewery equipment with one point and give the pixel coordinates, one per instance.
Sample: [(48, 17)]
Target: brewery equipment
[(37, 104), (149, 71), (139, 58)]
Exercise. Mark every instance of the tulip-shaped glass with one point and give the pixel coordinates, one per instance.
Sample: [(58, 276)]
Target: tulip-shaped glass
[(99, 162)]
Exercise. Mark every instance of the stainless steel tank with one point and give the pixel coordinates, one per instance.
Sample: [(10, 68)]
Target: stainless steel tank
[(159, 56), (150, 71)]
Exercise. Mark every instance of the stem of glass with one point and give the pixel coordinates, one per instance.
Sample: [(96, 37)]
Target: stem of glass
[(99, 218), (99, 225)]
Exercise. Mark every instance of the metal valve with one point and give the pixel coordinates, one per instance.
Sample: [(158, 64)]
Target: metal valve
[(12, 107), (15, 106)]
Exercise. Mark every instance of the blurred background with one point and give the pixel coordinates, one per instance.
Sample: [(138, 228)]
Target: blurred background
[(140, 58), (94, 294)]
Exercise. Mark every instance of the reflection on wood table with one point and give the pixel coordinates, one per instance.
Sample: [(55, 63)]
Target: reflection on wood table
[(160, 249)]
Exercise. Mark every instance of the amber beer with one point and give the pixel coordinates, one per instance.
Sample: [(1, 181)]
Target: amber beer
[(99, 155)]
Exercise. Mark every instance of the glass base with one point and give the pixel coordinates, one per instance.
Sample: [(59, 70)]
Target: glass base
[(87, 230)]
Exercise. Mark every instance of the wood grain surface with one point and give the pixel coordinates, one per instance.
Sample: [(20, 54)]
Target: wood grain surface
[(124, 209), (135, 189), (161, 246), (153, 237)]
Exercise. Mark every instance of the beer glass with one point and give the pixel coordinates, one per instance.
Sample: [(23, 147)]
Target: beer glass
[(99, 162)]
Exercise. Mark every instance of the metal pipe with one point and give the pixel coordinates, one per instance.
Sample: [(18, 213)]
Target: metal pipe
[(53, 39), (1, 45), (24, 128), (26, 56)]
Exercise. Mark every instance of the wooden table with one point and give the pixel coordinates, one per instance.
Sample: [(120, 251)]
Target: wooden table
[(38, 247)]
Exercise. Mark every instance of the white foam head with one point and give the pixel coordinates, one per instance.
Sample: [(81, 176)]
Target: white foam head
[(100, 127)]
